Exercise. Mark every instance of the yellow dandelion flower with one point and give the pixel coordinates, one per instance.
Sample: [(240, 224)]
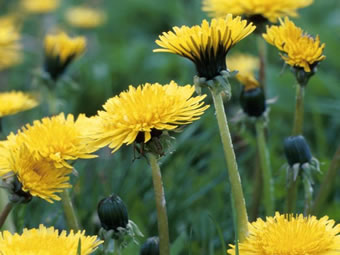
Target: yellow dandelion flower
[(40, 6), (47, 241), (10, 48), (206, 45), (60, 51), (300, 49), (289, 235), (137, 114), (85, 17), (268, 9), (38, 176), (15, 101), (59, 139), (246, 65)]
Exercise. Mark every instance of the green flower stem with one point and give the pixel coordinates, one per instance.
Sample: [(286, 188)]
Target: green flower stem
[(70, 214), (262, 49), (268, 188), (297, 130), (8, 224), (234, 177), (116, 247), (327, 183), (308, 195), (291, 196), (257, 192), (5, 212), (162, 217), (298, 118)]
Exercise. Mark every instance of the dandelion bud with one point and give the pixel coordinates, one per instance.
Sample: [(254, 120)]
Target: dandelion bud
[(60, 51), (253, 101), (112, 213), (150, 247), (297, 150)]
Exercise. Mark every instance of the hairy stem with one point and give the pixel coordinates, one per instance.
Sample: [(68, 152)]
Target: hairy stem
[(262, 49), (5, 212), (234, 177), (162, 217), (298, 118), (69, 211), (268, 188)]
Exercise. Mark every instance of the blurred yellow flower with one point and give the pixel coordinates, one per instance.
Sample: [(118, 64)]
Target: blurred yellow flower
[(140, 113), (289, 235), (85, 17), (206, 45), (60, 51), (39, 6), (246, 65), (300, 49), (58, 139), (47, 241), (10, 48), (15, 101), (269, 9)]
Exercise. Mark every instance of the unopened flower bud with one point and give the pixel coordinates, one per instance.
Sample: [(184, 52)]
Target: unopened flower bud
[(112, 213), (150, 247), (297, 150), (253, 101)]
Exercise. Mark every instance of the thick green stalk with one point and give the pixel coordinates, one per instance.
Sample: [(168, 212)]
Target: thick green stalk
[(297, 130), (268, 188), (298, 118), (162, 217), (234, 177), (327, 183), (70, 214), (262, 49), (308, 195), (8, 224), (291, 196), (5, 212)]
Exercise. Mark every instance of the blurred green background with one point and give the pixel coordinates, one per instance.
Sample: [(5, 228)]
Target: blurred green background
[(119, 54)]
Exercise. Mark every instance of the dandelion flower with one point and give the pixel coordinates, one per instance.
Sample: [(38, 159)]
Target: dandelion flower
[(10, 48), (40, 6), (47, 241), (141, 112), (246, 65), (206, 45), (85, 17), (38, 176), (60, 51), (59, 139), (289, 235), (300, 50), (15, 101), (267, 9)]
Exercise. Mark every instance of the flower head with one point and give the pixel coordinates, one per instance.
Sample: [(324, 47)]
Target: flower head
[(85, 17), (289, 235), (206, 45), (246, 65), (300, 50), (47, 241), (15, 101), (268, 9), (59, 139), (10, 48), (39, 6), (60, 51), (38, 176), (140, 112)]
